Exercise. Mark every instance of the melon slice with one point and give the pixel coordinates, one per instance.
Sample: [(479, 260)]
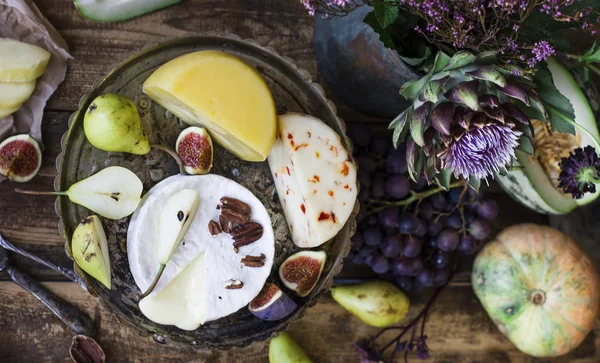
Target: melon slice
[(531, 185), (4, 112), (222, 93), (118, 10), (15, 94), (21, 62)]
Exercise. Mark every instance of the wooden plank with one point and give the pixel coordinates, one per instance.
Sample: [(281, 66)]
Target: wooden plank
[(458, 329)]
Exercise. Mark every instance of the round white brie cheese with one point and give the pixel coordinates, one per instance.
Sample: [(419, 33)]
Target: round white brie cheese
[(199, 298)]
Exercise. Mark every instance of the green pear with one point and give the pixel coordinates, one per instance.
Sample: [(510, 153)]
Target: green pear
[(114, 192), (90, 249), (175, 219), (376, 303), (283, 349), (112, 123)]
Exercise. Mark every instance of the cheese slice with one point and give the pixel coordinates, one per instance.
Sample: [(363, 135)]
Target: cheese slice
[(222, 93), (315, 178), (183, 296), (182, 302)]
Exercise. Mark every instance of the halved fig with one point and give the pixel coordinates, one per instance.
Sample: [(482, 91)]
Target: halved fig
[(301, 271), (195, 148), (20, 158), (271, 304)]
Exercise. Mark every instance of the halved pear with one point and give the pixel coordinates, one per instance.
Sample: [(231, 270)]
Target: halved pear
[(175, 219), (7, 111), (21, 62), (90, 249), (114, 192)]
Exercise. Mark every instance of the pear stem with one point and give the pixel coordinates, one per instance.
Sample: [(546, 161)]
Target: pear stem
[(171, 152), (32, 192), (153, 285)]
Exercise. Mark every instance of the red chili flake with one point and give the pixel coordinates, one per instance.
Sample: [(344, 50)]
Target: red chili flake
[(276, 174), (324, 216), (317, 155), (330, 193), (315, 191), (290, 136), (315, 179), (309, 134), (334, 149), (300, 146), (346, 186), (345, 169), (303, 208), (333, 217), (287, 192), (292, 143), (288, 171)]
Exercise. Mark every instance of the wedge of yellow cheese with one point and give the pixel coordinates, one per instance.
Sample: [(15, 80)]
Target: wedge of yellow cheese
[(222, 93), (21, 62), (15, 94)]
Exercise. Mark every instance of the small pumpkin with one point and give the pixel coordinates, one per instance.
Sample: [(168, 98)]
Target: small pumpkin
[(539, 288)]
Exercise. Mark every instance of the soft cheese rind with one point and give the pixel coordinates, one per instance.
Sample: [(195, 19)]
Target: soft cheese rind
[(221, 262), (315, 178)]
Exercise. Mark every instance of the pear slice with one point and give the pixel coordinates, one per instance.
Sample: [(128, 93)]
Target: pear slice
[(15, 94), (175, 219), (113, 193), (90, 249)]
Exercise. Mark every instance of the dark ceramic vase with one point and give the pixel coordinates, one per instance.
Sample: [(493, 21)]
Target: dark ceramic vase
[(356, 66)]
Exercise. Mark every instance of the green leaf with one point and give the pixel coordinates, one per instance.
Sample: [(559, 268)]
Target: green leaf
[(417, 62), (385, 36), (441, 61), (444, 177), (525, 145), (399, 125), (417, 124), (386, 13), (411, 89), (593, 54), (460, 59), (557, 106), (487, 57), (474, 183), (431, 92)]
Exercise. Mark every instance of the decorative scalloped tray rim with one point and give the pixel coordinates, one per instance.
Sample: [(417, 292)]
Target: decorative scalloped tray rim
[(337, 263)]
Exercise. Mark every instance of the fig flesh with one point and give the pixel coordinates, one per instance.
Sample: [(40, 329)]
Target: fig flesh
[(195, 148), (20, 158), (301, 271), (271, 304)]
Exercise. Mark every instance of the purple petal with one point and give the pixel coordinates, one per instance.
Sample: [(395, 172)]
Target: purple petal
[(441, 118), (465, 93), (515, 92)]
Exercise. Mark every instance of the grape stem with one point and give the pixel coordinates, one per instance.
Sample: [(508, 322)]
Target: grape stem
[(414, 196), (421, 317)]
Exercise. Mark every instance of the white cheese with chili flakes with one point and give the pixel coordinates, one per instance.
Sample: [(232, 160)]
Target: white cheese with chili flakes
[(315, 178), (192, 289)]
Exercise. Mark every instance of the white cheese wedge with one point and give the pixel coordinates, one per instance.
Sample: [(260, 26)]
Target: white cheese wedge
[(184, 297), (315, 178)]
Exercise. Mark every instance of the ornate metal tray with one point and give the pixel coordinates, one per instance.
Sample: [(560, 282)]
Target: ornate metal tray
[(292, 89)]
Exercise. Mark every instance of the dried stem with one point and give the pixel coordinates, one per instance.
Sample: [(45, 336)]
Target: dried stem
[(171, 152), (33, 192)]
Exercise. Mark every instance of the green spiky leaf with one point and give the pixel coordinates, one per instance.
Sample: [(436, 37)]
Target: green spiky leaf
[(411, 89), (559, 108), (417, 124), (399, 126), (444, 178), (385, 36), (489, 74), (525, 145), (386, 13), (474, 183), (441, 61)]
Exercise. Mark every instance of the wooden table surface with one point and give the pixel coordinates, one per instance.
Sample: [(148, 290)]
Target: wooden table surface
[(459, 330)]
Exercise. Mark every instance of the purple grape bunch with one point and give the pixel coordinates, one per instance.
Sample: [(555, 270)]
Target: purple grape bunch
[(414, 245)]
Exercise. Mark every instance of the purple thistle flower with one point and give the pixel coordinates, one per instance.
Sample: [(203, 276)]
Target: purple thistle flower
[(579, 172), (367, 352), (481, 151)]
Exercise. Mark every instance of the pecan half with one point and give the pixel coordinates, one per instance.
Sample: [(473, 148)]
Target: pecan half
[(234, 284), (236, 204), (234, 215), (226, 224), (246, 230), (253, 258), (253, 263), (246, 240), (215, 228)]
